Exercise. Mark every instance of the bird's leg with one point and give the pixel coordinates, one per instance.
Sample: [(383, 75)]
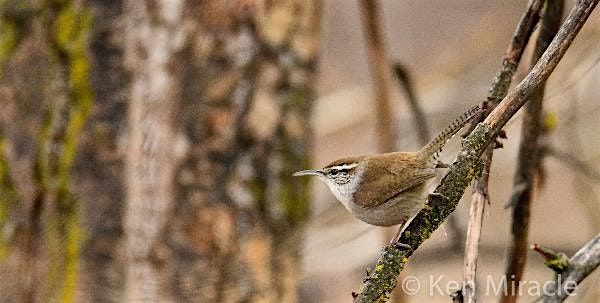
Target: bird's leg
[(441, 164), (396, 239), (438, 195)]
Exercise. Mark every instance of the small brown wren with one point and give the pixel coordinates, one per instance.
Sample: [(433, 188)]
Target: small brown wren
[(387, 189)]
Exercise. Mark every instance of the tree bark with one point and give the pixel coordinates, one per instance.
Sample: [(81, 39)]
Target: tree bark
[(154, 165), (529, 158), (218, 119), (98, 173), (46, 97)]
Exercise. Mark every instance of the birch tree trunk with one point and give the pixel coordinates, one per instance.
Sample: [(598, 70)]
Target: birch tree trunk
[(219, 104)]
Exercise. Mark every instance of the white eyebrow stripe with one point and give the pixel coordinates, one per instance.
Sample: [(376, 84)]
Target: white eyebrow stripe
[(344, 166)]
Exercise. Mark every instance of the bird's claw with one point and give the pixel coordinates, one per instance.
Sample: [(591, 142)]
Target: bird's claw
[(438, 195), (402, 245)]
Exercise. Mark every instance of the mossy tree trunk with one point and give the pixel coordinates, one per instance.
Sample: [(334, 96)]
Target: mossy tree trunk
[(146, 149), (46, 99)]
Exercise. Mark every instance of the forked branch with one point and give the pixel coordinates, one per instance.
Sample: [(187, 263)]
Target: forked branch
[(572, 271), (382, 280)]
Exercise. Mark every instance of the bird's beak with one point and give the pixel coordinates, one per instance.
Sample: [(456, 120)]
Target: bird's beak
[(310, 172)]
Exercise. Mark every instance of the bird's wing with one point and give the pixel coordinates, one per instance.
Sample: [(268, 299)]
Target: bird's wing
[(392, 180)]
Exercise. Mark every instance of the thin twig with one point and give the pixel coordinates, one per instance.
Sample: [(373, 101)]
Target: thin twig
[(528, 158), (381, 75), (382, 280), (480, 196), (578, 267), (578, 165), (405, 80), (469, 289), (556, 261)]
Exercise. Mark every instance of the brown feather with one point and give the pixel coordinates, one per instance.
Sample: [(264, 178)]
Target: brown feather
[(390, 175)]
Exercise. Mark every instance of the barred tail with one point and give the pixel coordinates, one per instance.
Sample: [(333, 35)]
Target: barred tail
[(436, 145)]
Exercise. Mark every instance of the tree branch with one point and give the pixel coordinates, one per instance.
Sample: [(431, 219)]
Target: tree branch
[(577, 165), (528, 158), (403, 77), (382, 280), (498, 90), (381, 75), (577, 268)]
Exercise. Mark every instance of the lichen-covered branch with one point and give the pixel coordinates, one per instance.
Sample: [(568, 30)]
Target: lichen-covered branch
[(572, 271), (528, 158), (467, 165), (152, 156)]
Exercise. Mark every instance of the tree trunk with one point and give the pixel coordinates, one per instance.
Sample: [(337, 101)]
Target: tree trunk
[(46, 98), (99, 168), (218, 122), (179, 186)]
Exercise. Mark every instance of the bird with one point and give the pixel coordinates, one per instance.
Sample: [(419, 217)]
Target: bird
[(390, 188)]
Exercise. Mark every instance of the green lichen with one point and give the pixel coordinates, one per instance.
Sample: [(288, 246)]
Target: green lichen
[(14, 15), (379, 284), (559, 264), (9, 36), (8, 201), (294, 195), (70, 40), (294, 192)]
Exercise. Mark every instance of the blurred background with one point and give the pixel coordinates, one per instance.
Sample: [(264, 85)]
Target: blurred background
[(147, 147)]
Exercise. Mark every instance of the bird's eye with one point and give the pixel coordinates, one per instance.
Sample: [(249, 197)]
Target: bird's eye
[(333, 172)]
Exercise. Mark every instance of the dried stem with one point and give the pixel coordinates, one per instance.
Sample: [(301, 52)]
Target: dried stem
[(528, 158), (381, 74), (382, 280), (578, 165), (403, 77), (469, 289), (498, 90)]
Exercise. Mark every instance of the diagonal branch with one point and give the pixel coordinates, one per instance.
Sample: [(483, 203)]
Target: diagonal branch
[(498, 90), (528, 158), (382, 281), (576, 164)]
